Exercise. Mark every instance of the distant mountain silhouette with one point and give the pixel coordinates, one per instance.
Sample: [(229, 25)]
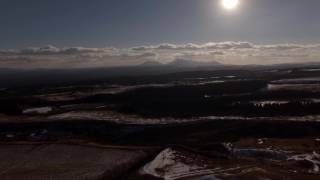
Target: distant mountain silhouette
[(190, 63), (40, 77), (151, 64)]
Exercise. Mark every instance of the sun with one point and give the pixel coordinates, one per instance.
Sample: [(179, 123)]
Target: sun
[(230, 4)]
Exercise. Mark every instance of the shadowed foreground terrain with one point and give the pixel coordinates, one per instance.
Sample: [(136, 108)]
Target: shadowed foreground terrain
[(247, 123)]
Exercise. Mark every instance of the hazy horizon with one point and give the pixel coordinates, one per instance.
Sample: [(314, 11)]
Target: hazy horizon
[(232, 53)]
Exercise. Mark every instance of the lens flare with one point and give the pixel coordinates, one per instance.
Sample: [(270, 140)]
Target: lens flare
[(230, 4)]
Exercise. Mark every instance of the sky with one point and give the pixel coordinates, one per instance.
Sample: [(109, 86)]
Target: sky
[(82, 33)]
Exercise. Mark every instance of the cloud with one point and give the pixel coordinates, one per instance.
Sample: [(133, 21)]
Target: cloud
[(51, 50), (223, 52), (192, 46), (283, 47)]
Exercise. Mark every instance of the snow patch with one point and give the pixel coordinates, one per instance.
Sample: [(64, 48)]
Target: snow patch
[(40, 110), (171, 165), (313, 158)]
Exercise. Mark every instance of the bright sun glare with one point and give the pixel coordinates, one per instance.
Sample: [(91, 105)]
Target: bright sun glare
[(230, 4)]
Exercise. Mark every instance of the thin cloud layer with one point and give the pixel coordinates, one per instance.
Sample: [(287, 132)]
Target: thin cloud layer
[(224, 52)]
